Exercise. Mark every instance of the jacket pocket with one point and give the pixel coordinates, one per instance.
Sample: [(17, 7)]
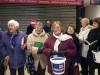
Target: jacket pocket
[(21, 59)]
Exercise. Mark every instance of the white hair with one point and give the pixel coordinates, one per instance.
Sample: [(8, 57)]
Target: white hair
[(15, 23)]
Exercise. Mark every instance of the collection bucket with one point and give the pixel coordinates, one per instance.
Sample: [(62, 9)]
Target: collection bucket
[(96, 56), (58, 65)]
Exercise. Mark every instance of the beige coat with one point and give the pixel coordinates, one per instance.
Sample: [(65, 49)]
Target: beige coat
[(82, 36), (30, 46)]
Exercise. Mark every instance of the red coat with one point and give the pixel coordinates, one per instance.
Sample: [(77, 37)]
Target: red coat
[(64, 45)]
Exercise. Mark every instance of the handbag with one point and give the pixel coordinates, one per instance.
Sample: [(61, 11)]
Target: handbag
[(2, 67), (73, 70), (30, 64)]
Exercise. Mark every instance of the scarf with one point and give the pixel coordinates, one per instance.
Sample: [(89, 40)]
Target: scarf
[(12, 40), (61, 37)]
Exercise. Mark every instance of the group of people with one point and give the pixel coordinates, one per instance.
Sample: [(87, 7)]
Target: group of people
[(66, 43)]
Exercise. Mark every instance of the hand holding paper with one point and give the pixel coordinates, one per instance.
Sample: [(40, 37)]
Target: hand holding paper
[(38, 44), (94, 42), (22, 42), (23, 46)]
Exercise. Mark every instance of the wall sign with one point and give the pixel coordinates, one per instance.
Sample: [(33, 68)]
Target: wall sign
[(60, 2), (94, 2)]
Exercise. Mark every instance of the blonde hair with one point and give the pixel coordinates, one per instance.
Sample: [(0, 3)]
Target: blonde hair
[(16, 24), (38, 24), (54, 24), (85, 20)]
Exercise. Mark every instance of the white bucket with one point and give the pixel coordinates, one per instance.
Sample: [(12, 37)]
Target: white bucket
[(96, 56), (58, 65)]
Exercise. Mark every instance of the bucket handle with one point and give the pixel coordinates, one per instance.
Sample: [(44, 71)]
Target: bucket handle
[(56, 56), (96, 50)]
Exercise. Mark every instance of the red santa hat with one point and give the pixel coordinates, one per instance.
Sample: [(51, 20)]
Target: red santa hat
[(33, 21)]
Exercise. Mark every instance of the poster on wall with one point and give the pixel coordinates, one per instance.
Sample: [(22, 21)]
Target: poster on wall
[(60, 2), (94, 2)]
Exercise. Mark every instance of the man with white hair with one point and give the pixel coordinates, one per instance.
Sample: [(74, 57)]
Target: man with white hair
[(13, 48)]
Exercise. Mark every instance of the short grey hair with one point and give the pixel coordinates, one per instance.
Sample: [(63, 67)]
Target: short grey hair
[(39, 24), (16, 24)]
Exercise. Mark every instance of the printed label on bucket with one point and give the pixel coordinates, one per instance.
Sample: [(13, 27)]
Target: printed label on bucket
[(58, 68)]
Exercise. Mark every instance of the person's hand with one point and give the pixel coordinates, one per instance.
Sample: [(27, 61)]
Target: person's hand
[(7, 58), (39, 51), (62, 53), (23, 46), (77, 34), (76, 64), (53, 52)]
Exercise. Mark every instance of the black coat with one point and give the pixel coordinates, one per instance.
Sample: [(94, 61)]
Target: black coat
[(29, 29), (78, 57), (93, 35)]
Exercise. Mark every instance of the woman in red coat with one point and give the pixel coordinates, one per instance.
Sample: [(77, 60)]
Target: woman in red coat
[(59, 44)]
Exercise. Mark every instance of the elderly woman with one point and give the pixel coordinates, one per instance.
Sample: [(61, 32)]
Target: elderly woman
[(59, 44), (12, 49), (34, 44), (71, 31), (94, 35), (82, 36)]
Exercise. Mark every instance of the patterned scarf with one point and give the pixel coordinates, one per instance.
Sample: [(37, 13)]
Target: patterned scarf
[(12, 40)]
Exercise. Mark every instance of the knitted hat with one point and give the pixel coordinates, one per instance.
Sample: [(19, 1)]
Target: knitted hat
[(33, 21)]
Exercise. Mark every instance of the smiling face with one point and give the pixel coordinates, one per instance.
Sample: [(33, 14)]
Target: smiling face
[(38, 29), (95, 25), (57, 29), (12, 28), (70, 30)]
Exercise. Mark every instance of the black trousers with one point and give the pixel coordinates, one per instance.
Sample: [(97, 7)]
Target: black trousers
[(40, 71), (84, 66), (92, 70), (20, 71), (2, 68)]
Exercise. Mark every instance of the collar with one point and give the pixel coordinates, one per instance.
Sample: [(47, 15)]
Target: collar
[(41, 34)]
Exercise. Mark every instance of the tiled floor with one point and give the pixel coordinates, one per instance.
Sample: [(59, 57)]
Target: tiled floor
[(26, 73)]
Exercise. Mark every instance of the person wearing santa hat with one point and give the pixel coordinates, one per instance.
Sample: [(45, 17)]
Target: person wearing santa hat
[(12, 49), (31, 27)]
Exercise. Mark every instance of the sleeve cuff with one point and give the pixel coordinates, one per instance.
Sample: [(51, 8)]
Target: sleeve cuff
[(34, 50)]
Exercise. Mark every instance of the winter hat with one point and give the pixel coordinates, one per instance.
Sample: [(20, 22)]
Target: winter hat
[(15, 23), (33, 21)]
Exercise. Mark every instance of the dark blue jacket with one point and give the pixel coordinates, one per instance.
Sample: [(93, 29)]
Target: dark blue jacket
[(47, 29)]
